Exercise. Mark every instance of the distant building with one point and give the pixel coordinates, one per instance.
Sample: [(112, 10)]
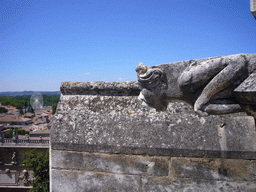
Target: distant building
[(44, 134), (29, 115), (8, 120), (14, 176)]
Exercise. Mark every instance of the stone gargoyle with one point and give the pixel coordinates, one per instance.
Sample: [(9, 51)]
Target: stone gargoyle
[(216, 85)]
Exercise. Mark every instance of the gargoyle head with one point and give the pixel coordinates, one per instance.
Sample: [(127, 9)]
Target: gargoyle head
[(154, 84)]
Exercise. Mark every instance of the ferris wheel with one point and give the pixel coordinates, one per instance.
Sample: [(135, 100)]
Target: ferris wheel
[(36, 101)]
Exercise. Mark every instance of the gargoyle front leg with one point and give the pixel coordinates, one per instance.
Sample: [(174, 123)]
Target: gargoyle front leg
[(222, 108), (227, 76)]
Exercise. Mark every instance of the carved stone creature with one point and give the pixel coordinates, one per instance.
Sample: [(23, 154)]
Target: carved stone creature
[(215, 85)]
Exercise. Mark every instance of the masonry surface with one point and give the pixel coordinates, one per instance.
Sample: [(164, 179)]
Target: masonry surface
[(104, 139)]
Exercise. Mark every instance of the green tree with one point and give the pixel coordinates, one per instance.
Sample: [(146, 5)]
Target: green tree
[(21, 132), (24, 101), (3, 110), (26, 106), (8, 134), (19, 106), (39, 163), (54, 109)]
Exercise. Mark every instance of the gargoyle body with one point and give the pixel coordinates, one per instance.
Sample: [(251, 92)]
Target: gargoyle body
[(215, 85)]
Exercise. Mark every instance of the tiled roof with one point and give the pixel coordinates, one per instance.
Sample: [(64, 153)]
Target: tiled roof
[(13, 119)]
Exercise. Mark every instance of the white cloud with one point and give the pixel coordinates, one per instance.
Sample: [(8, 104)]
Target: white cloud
[(88, 73)]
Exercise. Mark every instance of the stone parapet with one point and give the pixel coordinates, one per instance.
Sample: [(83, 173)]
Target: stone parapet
[(121, 124), (125, 88), (107, 140)]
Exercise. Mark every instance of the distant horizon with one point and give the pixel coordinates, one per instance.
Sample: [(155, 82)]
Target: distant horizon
[(27, 91)]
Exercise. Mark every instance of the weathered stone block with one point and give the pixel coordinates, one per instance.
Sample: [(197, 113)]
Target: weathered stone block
[(165, 184), (125, 88), (73, 180), (110, 163), (119, 124), (213, 169)]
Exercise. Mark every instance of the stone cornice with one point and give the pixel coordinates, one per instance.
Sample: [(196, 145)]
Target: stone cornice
[(124, 88)]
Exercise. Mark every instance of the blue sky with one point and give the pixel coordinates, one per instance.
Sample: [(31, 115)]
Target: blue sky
[(46, 42)]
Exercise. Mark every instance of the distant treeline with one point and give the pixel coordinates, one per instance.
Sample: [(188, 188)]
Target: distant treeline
[(29, 93), (23, 102)]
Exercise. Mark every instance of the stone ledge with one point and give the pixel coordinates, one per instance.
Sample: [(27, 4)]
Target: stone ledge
[(172, 152), (72, 180), (124, 88), (213, 169), (110, 163), (167, 184)]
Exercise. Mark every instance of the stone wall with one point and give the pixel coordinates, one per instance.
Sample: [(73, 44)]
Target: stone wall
[(104, 139)]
